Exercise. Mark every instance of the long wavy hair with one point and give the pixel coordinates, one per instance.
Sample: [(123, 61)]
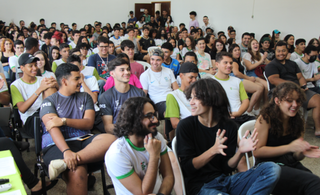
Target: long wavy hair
[(216, 97), (273, 115), (130, 116), (47, 66), (254, 56)]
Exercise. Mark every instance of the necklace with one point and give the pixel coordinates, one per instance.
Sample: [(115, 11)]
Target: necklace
[(104, 65)]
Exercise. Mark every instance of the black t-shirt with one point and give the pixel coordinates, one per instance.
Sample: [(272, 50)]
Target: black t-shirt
[(146, 43), (287, 71), (181, 42), (208, 50), (154, 24), (193, 139), (163, 21), (270, 52), (241, 68)]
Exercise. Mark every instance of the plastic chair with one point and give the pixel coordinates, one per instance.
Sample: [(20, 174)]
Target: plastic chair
[(145, 65), (174, 148), (249, 125), (264, 74), (40, 166)]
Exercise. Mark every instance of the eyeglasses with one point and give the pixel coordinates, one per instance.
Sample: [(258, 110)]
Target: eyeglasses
[(151, 116), (105, 47)]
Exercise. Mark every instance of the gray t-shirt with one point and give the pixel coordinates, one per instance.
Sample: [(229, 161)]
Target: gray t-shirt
[(73, 106), (243, 49), (111, 101)]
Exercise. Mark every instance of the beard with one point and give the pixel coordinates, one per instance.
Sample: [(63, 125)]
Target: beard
[(145, 131)]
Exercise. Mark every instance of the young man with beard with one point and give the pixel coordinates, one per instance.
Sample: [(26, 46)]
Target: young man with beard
[(111, 101), (281, 70), (206, 146), (137, 158), (244, 43)]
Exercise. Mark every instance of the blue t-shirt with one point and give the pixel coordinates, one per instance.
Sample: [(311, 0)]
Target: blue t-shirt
[(132, 20), (101, 64), (174, 66), (73, 106), (111, 101)]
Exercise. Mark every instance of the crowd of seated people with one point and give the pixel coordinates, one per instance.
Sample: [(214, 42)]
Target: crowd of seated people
[(123, 80)]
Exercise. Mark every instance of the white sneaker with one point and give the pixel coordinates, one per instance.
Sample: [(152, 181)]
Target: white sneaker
[(56, 167), (256, 112)]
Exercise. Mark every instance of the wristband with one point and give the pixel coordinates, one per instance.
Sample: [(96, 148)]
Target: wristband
[(36, 94), (65, 151)]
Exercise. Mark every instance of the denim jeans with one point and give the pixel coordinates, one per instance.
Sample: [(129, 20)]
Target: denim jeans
[(260, 179)]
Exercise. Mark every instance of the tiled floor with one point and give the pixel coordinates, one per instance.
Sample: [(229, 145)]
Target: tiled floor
[(60, 188)]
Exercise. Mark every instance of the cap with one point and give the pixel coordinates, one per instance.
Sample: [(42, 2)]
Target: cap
[(265, 39), (2, 22), (157, 52), (27, 58), (276, 31), (189, 67)]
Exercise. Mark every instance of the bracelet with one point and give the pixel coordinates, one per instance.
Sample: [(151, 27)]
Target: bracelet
[(65, 151), (64, 121), (36, 94)]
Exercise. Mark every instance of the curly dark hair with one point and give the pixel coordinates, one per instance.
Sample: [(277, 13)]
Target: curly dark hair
[(216, 97), (273, 115), (130, 116)]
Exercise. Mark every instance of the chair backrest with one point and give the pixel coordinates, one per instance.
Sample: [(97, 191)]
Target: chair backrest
[(249, 125), (174, 148), (144, 64), (37, 135), (265, 76), (5, 114)]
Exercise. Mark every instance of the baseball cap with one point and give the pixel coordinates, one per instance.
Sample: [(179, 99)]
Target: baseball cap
[(157, 52), (27, 58), (189, 67), (276, 31)]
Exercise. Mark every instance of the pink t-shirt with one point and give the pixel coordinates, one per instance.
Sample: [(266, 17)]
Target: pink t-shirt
[(136, 69), (133, 81)]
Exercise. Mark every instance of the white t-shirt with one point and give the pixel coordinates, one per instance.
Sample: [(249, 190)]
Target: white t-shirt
[(247, 56), (159, 42), (158, 84), (48, 74), (235, 91), (92, 84), (13, 62), (123, 158), (88, 71), (307, 70), (95, 50), (184, 103), (115, 41), (204, 27), (22, 91), (73, 45), (175, 53), (184, 51), (4, 87), (295, 56)]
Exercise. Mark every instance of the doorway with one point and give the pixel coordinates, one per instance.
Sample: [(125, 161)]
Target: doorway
[(152, 8)]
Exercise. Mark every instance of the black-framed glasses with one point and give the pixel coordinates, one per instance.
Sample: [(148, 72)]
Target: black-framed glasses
[(151, 116)]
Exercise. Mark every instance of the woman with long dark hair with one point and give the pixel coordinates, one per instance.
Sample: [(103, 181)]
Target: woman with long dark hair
[(44, 68), (280, 130)]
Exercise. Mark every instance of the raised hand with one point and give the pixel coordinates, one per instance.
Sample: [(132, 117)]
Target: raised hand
[(312, 152), (218, 147), (153, 146), (248, 144), (299, 145)]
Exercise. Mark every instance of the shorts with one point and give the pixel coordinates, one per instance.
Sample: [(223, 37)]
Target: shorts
[(309, 95), (161, 107), (231, 74), (52, 152), (251, 73)]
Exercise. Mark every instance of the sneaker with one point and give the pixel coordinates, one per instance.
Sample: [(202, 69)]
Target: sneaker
[(56, 167), (256, 112)]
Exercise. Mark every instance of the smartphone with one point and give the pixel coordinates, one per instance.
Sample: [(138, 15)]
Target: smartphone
[(304, 86), (84, 137)]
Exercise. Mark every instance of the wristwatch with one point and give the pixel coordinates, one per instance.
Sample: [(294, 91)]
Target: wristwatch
[(64, 121)]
